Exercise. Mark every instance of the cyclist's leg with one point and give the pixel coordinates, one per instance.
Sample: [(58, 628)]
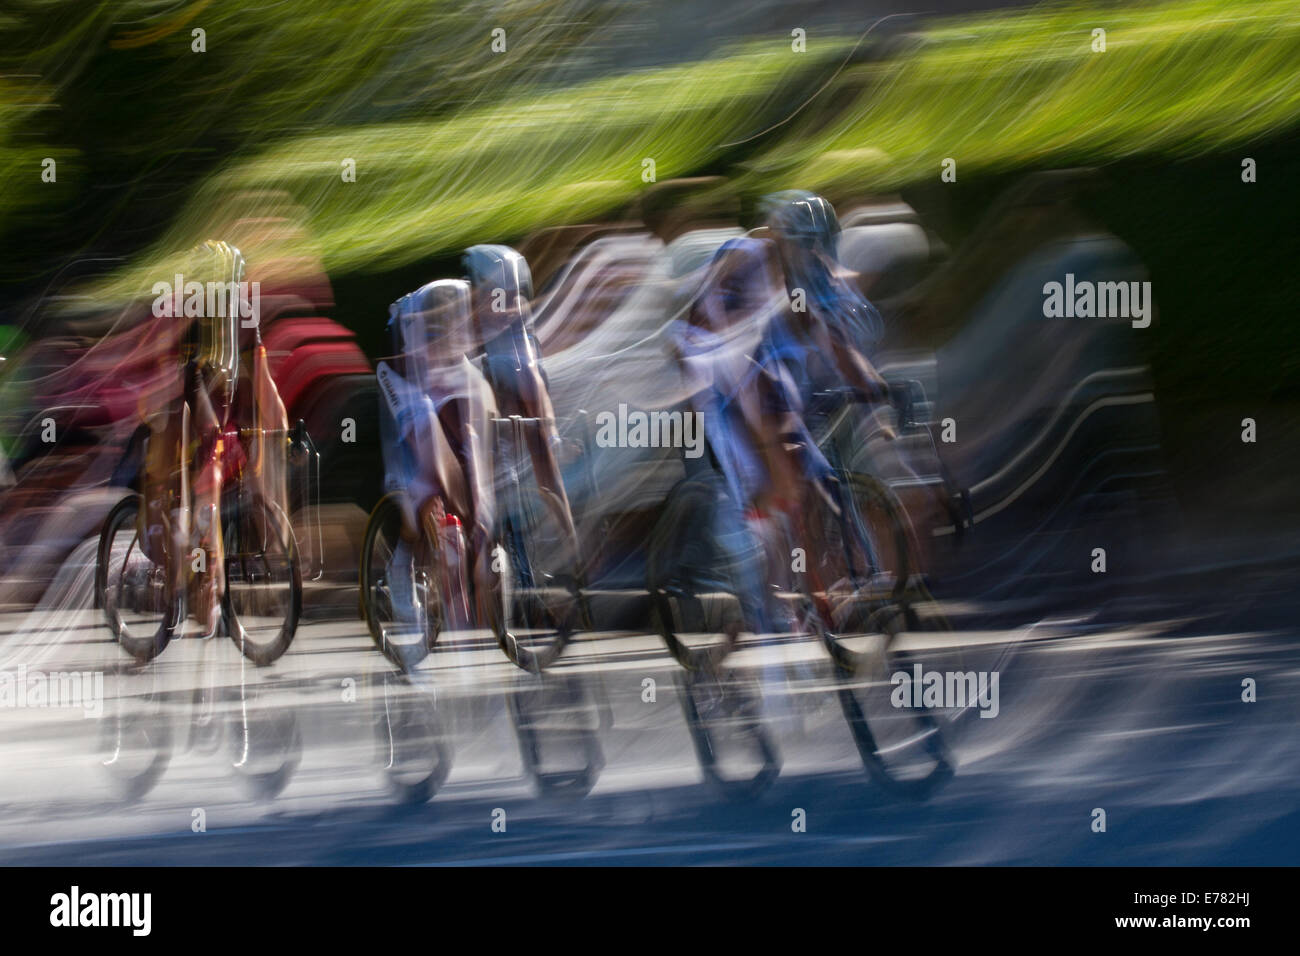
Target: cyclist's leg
[(738, 527), (477, 412), (402, 563), (208, 582), (532, 400), (807, 481), (404, 473)]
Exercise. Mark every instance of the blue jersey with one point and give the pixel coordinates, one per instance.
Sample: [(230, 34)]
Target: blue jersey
[(844, 311)]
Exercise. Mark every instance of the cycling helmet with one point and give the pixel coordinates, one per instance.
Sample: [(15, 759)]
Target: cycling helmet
[(802, 218), (490, 267), (806, 226), (213, 341), (441, 311)]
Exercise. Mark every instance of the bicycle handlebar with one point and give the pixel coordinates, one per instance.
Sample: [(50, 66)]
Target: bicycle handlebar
[(891, 391), (297, 432)]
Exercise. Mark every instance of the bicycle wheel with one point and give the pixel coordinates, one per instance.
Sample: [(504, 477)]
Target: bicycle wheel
[(400, 591), (265, 750), (858, 563), (735, 747), (900, 741), (139, 602), (136, 747), (703, 572), (537, 602), (263, 597), (413, 744)]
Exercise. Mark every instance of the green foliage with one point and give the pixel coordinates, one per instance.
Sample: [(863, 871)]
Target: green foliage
[(1006, 92), (455, 145)]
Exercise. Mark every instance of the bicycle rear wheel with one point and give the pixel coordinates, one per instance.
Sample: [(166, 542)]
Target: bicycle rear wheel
[(263, 596), (400, 592), (141, 606), (537, 603), (703, 573)]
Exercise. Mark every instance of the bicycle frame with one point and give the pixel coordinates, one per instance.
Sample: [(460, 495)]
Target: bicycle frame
[(907, 396), (830, 445), (513, 429), (513, 426)]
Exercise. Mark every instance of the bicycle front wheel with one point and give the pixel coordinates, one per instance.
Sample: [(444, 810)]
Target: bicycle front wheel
[(400, 593), (536, 604), (263, 597), (858, 563)]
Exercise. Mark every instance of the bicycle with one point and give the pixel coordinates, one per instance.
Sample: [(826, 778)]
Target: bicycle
[(863, 590), (414, 572), (852, 586), (401, 588), (144, 600), (414, 569), (145, 560)]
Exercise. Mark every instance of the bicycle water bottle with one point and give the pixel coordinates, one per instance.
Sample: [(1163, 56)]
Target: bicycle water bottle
[(455, 568)]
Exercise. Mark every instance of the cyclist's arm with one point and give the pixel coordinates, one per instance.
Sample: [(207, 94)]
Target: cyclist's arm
[(855, 368)]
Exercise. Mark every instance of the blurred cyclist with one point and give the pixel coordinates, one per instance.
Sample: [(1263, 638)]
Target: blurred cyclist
[(502, 289), (198, 430), (434, 433), (814, 340), (829, 331), (836, 314)]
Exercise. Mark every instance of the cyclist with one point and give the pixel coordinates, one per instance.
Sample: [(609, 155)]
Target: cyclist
[(419, 459), (502, 289), (806, 233), (755, 405), (197, 431), (814, 342), (740, 290), (463, 402), (826, 335)]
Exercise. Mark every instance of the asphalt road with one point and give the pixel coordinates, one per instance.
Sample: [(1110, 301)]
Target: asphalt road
[(327, 757)]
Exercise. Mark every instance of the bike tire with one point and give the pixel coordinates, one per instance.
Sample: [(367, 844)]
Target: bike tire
[(535, 614), (147, 642), (849, 597), (408, 646), (699, 573), (255, 528)]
